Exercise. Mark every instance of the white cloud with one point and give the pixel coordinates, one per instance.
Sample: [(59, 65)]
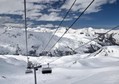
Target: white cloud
[(54, 10), (17, 6), (53, 16), (41, 1), (48, 26), (14, 25), (5, 19), (11, 6), (34, 11), (80, 5)]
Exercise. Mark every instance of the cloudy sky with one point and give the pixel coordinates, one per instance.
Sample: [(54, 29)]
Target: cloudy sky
[(102, 13)]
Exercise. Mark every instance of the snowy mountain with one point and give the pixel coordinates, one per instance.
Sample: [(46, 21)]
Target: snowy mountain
[(94, 63), (12, 40)]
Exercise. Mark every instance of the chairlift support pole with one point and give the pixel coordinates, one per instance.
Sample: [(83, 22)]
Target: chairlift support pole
[(25, 24), (35, 68), (35, 78)]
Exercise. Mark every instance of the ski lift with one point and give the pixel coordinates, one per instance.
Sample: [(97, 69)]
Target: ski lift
[(29, 65), (28, 71), (47, 70)]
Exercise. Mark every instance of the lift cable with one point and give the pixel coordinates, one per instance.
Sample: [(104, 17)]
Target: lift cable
[(96, 38), (87, 43), (104, 34), (59, 25), (25, 24), (70, 27)]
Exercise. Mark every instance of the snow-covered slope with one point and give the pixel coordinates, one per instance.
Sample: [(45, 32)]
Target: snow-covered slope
[(12, 40), (74, 69), (107, 51)]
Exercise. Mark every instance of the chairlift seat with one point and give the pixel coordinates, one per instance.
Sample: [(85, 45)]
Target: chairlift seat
[(28, 71), (47, 70)]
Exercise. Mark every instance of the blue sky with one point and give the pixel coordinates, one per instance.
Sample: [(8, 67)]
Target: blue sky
[(49, 13)]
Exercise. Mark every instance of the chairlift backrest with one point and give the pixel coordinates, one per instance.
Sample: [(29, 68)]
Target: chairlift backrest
[(47, 70)]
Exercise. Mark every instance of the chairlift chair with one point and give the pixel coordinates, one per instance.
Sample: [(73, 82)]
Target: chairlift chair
[(29, 65), (47, 70), (28, 71)]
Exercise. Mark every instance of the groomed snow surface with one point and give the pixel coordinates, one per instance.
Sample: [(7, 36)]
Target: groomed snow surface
[(76, 69)]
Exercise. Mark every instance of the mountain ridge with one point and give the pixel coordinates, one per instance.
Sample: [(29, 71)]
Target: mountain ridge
[(13, 40)]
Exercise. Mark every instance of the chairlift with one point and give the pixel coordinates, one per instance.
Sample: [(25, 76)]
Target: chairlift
[(29, 65), (28, 71), (47, 70)]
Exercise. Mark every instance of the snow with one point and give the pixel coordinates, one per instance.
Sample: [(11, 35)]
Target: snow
[(74, 69), (11, 38), (100, 67)]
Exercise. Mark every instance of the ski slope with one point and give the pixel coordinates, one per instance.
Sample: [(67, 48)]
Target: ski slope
[(74, 69)]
